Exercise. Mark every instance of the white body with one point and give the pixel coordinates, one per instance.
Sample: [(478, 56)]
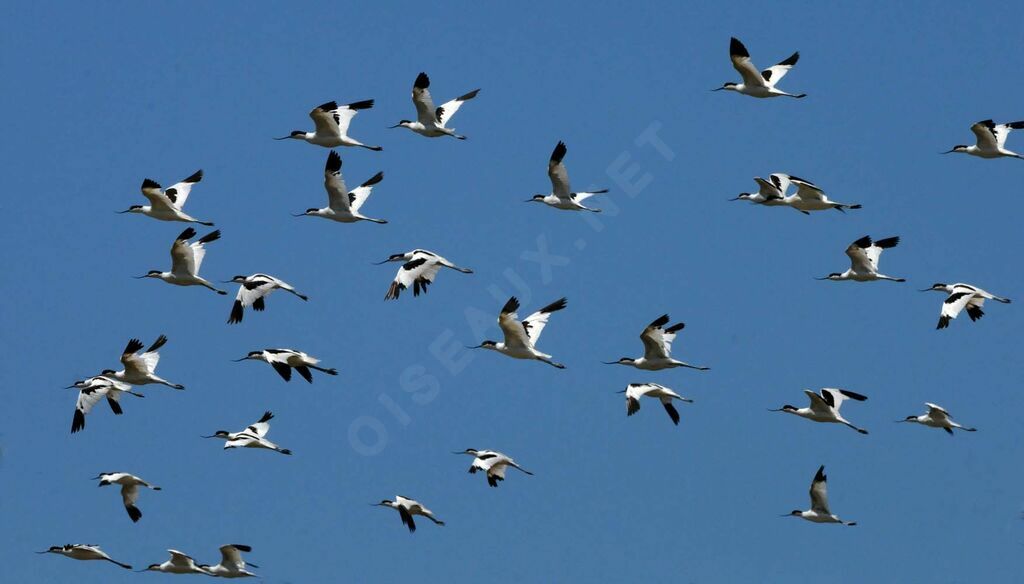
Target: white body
[(825, 407), (129, 490), (332, 122), (231, 564), (408, 508), (140, 368), (186, 259), (179, 563), (521, 337), (343, 205), (756, 83), (991, 140), (493, 464), (253, 436), (284, 360), (252, 291), (168, 205), (962, 296), (819, 511), (937, 417), (430, 121), (561, 196), (657, 348), (864, 255), (83, 551)]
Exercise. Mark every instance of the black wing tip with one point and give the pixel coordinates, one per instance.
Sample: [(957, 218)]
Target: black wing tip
[(78, 422), (864, 242), (1016, 125), (888, 242), (511, 305), (559, 152), (975, 313), (188, 233), (237, 312), (333, 162), (360, 105), (329, 106), (134, 513), (422, 81), (242, 547), (211, 236), (468, 96), (676, 327), (267, 416), (853, 395), (393, 291), (820, 475), (791, 60), (736, 48), (943, 322), (132, 346), (556, 305), (159, 342), (196, 177), (374, 179), (660, 321), (150, 184)]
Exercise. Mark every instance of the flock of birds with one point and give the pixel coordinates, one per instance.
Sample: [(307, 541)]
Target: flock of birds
[(419, 268)]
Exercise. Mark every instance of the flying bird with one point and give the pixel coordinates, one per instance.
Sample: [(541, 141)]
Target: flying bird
[(231, 563), (332, 122), (521, 337), (91, 391), (186, 258), (758, 83), (284, 360), (991, 140), (83, 551), (657, 348), (139, 368), (180, 563), (492, 463), (635, 391), (561, 196), (430, 121), (253, 289), (254, 436), (962, 296), (168, 205), (864, 254), (825, 407), (342, 204), (937, 417), (770, 192), (419, 270), (407, 508), (819, 511), (129, 490)]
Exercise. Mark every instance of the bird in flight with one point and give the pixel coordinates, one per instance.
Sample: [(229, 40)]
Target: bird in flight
[(252, 291), (819, 511), (91, 391), (129, 490), (758, 83), (83, 551), (635, 391), (139, 368), (179, 563), (254, 436), (962, 296), (864, 254), (342, 204), (937, 417), (186, 259), (522, 336), (407, 508), (657, 348), (418, 270), (332, 122), (231, 563), (284, 360), (561, 196), (825, 407), (168, 205), (492, 463), (991, 140), (430, 121)]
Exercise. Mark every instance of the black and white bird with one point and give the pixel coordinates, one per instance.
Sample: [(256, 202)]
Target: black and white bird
[(819, 511), (284, 360), (991, 140), (808, 197), (657, 348), (770, 192), (561, 196), (231, 565), (430, 121), (960, 297), (825, 407), (635, 391), (937, 417), (94, 389), (83, 551), (492, 463), (139, 368), (419, 269), (332, 122), (168, 205), (342, 204), (521, 336), (180, 563), (758, 83), (253, 289), (864, 254), (129, 489), (254, 436), (186, 259), (407, 508)]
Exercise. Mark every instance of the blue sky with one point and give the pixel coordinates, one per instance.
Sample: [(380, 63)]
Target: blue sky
[(98, 98)]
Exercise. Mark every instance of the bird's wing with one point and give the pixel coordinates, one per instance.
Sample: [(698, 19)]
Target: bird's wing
[(199, 251), (936, 412), (767, 189), (182, 257), (772, 75), (670, 408), (89, 397), (516, 334), (327, 119), (251, 291), (818, 403), (807, 190), (954, 303), (129, 494), (261, 427), (836, 397), (987, 134), (875, 251), (819, 492), (344, 114), (358, 196), (230, 555), (419, 269), (425, 111), (497, 469), (157, 198), (180, 558), (448, 109), (178, 192), (535, 323), (741, 62), (860, 261), (1002, 131), (657, 340), (557, 173), (781, 181), (337, 192)]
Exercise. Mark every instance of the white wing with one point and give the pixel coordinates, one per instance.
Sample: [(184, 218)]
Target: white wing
[(860, 260), (231, 557), (781, 181), (658, 341), (988, 136), (89, 397), (180, 558), (515, 332), (819, 493), (178, 192), (767, 189), (937, 412), (741, 62), (261, 427), (358, 196), (183, 260), (420, 269), (249, 292), (955, 303), (558, 174), (535, 323), (327, 119), (448, 109), (772, 75), (425, 111), (818, 405), (836, 397), (157, 199), (337, 192), (129, 494), (807, 191)]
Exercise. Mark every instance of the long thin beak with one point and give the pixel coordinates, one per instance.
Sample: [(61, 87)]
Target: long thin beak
[(141, 277), (947, 151), (379, 263), (123, 212), (926, 289), (474, 347), (240, 360), (70, 387), (778, 410), (718, 89), (298, 214), (395, 126), (283, 138), (226, 281), (44, 552), (734, 199), (786, 515), (457, 452), (610, 362), (528, 200), (825, 278), (251, 565), (622, 391), (214, 436)]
